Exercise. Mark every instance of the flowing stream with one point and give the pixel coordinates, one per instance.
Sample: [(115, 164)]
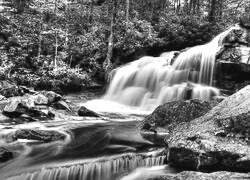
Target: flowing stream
[(110, 147)]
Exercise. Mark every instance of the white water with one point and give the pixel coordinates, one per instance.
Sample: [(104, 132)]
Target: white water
[(98, 169), (151, 81)]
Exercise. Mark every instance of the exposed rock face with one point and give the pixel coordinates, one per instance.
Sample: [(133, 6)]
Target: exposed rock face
[(191, 175), (40, 135), (83, 111), (233, 60), (218, 140), (171, 114)]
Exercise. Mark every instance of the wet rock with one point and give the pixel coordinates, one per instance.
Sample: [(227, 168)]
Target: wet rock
[(61, 105), (51, 96), (5, 155), (219, 140), (39, 135), (191, 175), (170, 114), (3, 118), (83, 111)]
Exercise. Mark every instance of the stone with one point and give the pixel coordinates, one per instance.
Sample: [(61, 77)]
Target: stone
[(2, 98), (245, 20), (51, 96), (219, 140), (172, 113), (38, 99), (9, 89), (61, 105), (18, 106), (5, 155), (191, 175), (233, 60), (83, 111), (39, 135)]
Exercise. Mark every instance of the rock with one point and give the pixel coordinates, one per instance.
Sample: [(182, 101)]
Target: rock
[(233, 60), (191, 175), (245, 20), (219, 140), (83, 111), (5, 155), (18, 106), (61, 105), (51, 96), (15, 108), (3, 118), (38, 99), (39, 135), (9, 89), (172, 113), (2, 98)]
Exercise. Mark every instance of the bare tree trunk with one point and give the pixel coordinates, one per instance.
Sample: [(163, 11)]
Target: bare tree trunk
[(212, 14), (40, 38), (107, 64), (91, 12), (56, 39), (127, 13)]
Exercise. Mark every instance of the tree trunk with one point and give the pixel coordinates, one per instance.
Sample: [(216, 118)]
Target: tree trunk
[(212, 14), (56, 39), (127, 13), (91, 12), (107, 64), (40, 39)]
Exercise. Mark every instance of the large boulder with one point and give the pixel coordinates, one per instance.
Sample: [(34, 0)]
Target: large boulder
[(5, 154), (245, 20), (233, 60), (39, 135), (10, 89), (219, 140), (170, 114), (18, 106), (83, 111), (191, 175), (51, 96)]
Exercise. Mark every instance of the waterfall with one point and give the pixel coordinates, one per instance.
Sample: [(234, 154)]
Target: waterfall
[(97, 169), (151, 81)]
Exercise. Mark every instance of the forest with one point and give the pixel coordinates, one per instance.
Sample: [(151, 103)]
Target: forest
[(67, 45)]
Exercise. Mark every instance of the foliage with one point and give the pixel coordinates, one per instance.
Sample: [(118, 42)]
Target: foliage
[(179, 32), (57, 43)]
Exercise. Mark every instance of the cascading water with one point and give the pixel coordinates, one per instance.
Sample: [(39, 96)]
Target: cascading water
[(98, 169), (151, 81)]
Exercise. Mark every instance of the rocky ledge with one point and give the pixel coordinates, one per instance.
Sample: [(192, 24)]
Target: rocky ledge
[(167, 116), (219, 140), (191, 175)]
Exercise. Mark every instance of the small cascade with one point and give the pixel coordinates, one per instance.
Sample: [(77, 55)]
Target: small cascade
[(151, 81), (96, 169)]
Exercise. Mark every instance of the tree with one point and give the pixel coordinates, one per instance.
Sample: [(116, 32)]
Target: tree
[(107, 65)]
